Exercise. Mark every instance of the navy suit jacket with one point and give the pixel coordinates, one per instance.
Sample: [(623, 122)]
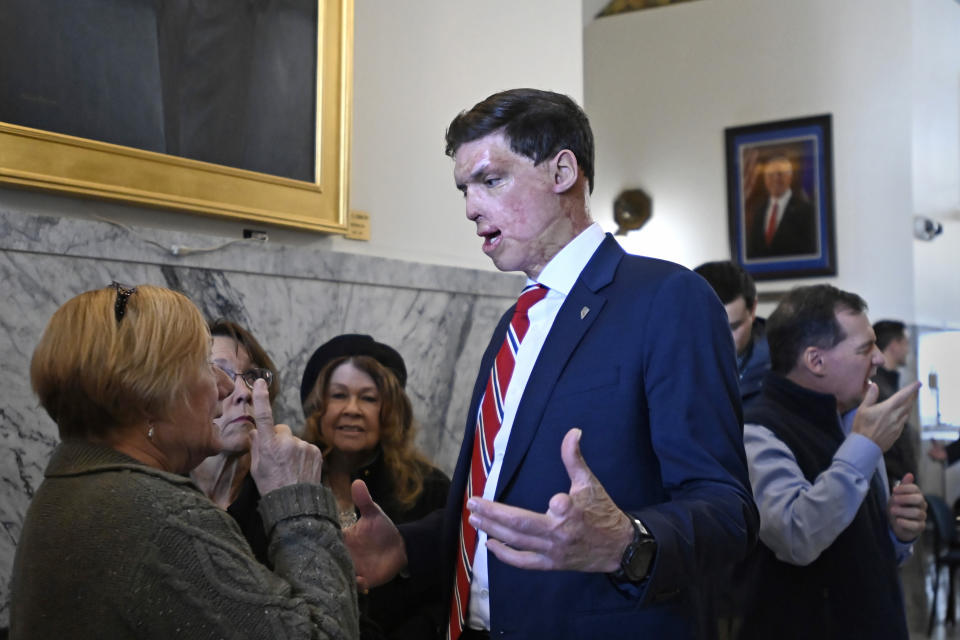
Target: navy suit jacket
[(648, 373)]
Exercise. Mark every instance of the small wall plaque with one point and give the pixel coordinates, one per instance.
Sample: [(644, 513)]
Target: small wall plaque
[(358, 226)]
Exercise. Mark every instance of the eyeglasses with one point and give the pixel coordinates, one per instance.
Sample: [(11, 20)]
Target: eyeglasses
[(250, 376), (123, 294)]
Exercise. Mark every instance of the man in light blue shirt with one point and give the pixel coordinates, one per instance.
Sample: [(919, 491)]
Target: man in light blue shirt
[(831, 533)]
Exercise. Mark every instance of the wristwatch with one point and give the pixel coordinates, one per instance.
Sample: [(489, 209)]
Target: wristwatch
[(638, 556)]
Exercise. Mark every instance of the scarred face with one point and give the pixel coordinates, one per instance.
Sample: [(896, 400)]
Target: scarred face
[(516, 205)]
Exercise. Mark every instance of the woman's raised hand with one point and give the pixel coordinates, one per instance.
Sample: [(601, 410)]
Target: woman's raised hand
[(279, 458)]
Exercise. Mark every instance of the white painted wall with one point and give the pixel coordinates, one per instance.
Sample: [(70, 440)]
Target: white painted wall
[(416, 65), (936, 158), (662, 84)]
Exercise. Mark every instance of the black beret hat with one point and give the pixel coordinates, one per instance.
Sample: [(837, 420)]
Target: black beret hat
[(350, 344)]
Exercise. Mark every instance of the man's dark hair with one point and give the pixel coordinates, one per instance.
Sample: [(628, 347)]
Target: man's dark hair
[(538, 124), (887, 331), (729, 280), (806, 317)]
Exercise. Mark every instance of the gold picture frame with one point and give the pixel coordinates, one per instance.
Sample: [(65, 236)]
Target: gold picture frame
[(38, 159)]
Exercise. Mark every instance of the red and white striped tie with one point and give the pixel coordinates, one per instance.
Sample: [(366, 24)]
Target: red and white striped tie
[(489, 417)]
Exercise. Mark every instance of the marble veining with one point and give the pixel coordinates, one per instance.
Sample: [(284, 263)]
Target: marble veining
[(292, 298)]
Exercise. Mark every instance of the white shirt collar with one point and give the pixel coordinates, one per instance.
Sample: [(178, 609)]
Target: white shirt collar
[(562, 271), (782, 201)]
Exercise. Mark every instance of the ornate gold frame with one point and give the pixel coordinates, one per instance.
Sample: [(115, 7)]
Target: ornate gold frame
[(38, 159)]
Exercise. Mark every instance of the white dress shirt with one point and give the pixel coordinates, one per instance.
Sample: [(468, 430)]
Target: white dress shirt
[(559, 276)]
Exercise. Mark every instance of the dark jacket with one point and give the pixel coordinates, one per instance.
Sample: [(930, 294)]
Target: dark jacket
[(244, 511), (656, 397), (852, 589), (404, 608), (754, 363), (901, 458)]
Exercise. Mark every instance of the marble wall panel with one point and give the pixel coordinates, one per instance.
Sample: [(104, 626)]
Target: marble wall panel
[(292, 298)]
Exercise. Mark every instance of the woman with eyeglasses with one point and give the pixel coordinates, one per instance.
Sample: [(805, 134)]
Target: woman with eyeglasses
[(225, 477), (118, 542)]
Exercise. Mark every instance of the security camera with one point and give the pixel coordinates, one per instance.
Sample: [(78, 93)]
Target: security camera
[(925, 228)]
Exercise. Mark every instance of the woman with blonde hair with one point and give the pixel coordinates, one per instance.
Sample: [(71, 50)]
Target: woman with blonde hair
[(361, 418), (118, 542)]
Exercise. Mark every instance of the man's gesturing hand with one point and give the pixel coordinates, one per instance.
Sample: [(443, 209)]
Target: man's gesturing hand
[(374, 543), (582, 530), (883, 422), (907, 510)]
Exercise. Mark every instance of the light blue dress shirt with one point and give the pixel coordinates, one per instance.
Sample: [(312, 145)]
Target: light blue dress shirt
[(799, 520)]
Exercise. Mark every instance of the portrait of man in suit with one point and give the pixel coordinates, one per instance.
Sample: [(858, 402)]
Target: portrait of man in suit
[(602, 473), (784, 222)]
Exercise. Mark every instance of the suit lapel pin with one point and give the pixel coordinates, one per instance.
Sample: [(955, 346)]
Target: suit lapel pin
[(584, 312)]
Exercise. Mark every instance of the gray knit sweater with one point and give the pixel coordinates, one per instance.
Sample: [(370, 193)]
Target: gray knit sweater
[(111, 548)]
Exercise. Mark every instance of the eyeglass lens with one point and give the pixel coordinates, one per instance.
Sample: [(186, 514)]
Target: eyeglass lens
[(250, 376)]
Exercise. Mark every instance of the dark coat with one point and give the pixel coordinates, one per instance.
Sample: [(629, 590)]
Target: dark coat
[(404, 608), (852, 589), (901, 457), (753, 365)]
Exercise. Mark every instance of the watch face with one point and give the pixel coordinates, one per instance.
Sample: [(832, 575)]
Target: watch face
[(637, 566)]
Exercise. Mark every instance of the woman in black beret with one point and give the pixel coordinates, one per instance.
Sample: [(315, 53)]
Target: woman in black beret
[(361, 418)]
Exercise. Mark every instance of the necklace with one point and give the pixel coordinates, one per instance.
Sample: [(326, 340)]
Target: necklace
[(348, 518)]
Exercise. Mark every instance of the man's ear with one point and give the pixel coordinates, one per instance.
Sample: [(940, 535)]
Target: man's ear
[(565, 171), (812, 360)]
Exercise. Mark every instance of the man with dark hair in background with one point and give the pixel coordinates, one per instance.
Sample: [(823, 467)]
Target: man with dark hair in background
[(894, 344), (738, 293), (832, 532), (729, 589)]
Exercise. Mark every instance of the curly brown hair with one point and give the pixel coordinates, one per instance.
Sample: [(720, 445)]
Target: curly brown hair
[(403, 461)]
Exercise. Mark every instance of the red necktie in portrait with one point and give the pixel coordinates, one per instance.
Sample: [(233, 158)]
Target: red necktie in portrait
[(771, 225)]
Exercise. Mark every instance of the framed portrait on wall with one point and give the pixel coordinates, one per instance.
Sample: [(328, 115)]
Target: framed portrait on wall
[(232, 108), (780, 198)]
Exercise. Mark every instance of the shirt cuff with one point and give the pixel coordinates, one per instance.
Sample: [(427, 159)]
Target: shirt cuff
[(861, 453)]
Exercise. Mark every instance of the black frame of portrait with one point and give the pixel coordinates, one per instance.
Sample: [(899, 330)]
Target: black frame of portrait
[(808, 144), (37, 158)]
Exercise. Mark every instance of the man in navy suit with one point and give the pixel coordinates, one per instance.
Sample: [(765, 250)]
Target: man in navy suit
[(785, 225), (619, 476)]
